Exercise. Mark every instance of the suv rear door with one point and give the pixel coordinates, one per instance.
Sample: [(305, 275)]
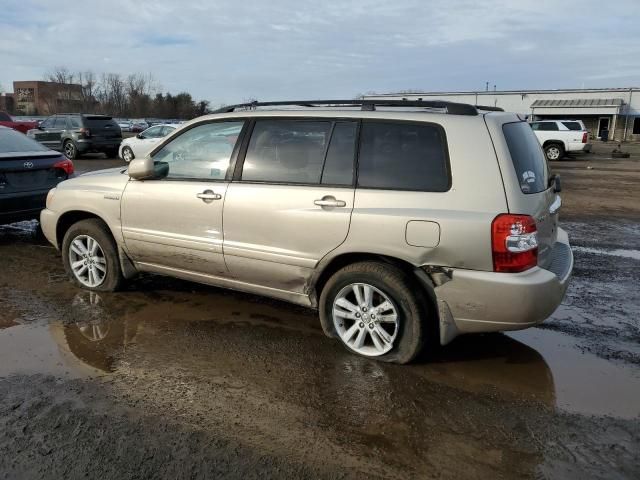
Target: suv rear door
[(291, 200)]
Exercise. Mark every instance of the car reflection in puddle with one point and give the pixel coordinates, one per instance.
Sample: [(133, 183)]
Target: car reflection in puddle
[(103, 335)]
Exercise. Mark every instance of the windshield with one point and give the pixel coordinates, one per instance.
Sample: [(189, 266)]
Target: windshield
[(12, 141), (527, 157)]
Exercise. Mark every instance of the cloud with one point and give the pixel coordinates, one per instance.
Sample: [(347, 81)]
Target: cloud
[(225, 51)]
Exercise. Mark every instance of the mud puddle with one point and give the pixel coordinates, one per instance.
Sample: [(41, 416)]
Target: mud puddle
[(101, 334)]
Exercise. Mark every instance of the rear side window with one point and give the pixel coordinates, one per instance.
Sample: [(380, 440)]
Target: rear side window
[(548, 126), (527, 157), (287, 151), (75, 122), (99, 123), (12, 141), (338, 166), (572, 126), (403, 156)]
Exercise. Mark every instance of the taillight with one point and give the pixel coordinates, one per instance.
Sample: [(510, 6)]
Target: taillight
[(65, 165), (514, 240), (85, 132), (585, 137)]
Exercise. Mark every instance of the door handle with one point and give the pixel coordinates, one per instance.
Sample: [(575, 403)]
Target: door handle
[(208, 196), (329, 201)]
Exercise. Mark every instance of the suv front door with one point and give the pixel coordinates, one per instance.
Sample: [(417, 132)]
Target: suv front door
[(174, 224), (291, 200)]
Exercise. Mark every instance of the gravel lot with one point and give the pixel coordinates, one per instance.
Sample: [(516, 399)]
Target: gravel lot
[(169, 379)]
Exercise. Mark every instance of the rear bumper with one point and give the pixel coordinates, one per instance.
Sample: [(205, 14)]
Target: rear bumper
[(16, 207), (85, 146), (578, 147), (477, 301)]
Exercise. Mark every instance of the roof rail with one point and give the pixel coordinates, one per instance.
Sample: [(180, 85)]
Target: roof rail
[(487, 108), (451, 108)]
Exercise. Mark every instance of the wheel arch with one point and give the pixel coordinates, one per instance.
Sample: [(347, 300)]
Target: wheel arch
[(67, 219), (331, 266), (71, 217), (553, 142)]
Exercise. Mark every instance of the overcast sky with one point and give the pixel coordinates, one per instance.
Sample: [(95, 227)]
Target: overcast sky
[(227, 51)]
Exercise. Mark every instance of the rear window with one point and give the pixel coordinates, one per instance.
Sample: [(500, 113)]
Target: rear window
[(527, 157), (403, 156), (12, 141), (572, 125), (97, 123)]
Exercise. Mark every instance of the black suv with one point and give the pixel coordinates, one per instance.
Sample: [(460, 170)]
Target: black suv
[(78, 133)]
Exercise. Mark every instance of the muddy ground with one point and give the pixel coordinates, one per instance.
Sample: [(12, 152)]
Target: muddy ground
[(169, 379)]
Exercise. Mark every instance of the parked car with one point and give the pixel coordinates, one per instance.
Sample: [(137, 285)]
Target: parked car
[(403, 226), (125, 125), (27, 172), (143, 143), (7, 121), (78, 133), (558, 137), (138, 126)]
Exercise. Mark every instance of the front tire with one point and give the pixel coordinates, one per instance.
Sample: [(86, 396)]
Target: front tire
[(90, 256), (554, 152), (376, 310), (70, 150)]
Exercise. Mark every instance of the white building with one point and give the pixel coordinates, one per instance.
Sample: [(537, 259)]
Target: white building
[(614, 109)]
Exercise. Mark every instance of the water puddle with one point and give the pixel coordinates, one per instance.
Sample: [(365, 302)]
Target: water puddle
[(203, 337)]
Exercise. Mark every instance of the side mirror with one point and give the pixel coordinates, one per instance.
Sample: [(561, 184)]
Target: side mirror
[(146, 169), (140, 136), (555, 183)]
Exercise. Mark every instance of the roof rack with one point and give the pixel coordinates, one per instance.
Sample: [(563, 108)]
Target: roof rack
[(451, 108), (487, 108)]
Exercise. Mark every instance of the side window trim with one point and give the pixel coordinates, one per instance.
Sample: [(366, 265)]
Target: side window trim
[(237, 173), (232, 160), (445, 147)]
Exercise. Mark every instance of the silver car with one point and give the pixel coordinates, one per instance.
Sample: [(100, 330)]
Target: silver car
[(404, 223)]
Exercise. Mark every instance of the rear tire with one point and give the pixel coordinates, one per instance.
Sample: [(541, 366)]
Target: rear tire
[(103, 261), (355, 325), (554, 151), (127, 154), (70, 150)]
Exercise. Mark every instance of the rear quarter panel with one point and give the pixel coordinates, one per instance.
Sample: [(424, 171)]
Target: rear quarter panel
[(464, 213)]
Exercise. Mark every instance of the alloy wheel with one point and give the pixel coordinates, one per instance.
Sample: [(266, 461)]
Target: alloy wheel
[(87, 261), (366, 319)]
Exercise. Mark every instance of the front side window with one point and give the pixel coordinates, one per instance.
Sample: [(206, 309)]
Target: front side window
[(48, 123), (153, 132), (166, 130), (60, 123), (287, 151), (527, 157), (403, 156), (202, 152)]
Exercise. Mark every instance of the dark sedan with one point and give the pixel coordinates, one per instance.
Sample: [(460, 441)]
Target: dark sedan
[(28, 170)]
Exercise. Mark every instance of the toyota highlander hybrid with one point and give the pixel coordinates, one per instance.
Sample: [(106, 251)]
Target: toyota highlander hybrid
[(404, 222)]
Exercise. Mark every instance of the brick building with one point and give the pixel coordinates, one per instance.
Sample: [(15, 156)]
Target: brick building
[(46, 98), (614, 109)]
